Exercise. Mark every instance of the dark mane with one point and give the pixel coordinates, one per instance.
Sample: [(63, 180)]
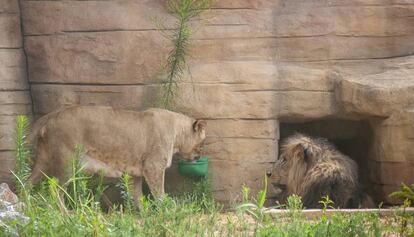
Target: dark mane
[(328, 173)]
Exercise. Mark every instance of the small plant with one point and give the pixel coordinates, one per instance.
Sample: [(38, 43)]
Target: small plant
[(22, 153), (125, 185), (255, 208), (295, 206), (78, 183), (55, 195), (183, 11), (404, 217), (245, 193), (405, 193), (261, 195), (294, 203), (326, 203)]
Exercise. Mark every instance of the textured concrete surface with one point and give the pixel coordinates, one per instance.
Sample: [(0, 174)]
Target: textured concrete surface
[(14, 89)]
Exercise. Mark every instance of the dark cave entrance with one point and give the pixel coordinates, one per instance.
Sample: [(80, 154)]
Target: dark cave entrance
[(353, 138)]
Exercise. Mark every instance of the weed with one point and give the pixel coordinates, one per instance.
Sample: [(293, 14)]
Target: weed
[(125, 185), (326, 203), (22, 153), (256, 206), (183, 11), (294, 203), (405, 193)]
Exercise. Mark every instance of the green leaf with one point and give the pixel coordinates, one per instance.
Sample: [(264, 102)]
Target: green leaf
[(262, 194)]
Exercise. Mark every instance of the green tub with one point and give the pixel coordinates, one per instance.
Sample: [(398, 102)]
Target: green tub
[(197, 168)]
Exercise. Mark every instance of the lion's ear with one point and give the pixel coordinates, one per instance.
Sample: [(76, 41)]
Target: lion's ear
[(199, 125)]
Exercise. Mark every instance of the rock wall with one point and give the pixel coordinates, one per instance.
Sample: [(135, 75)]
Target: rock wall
[(254, 64), (14, 89)]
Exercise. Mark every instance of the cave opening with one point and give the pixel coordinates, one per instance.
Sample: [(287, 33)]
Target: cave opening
[(352, 138)]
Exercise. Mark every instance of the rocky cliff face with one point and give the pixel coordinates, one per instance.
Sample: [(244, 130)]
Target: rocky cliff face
[(14, 89), (255, 66)]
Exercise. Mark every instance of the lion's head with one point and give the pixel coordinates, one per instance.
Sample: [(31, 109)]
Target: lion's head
[(190, 147), (312, 167), (298, 152)]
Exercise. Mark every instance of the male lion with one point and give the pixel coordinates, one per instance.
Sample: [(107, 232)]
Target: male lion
[(115, 141), (313, 168)]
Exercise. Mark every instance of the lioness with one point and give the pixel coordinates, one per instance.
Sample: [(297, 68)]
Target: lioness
[(114, 141), (313, 168)]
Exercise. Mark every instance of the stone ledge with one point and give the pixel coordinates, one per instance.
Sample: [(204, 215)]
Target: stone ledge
[(317, 213), (377, 94)]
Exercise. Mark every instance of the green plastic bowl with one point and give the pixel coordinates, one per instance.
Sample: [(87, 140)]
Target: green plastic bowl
[(198, 168)]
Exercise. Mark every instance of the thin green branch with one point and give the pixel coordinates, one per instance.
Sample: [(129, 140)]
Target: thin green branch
[(184, 11), (22, 152)]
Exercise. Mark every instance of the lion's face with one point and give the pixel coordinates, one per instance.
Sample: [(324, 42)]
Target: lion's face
[(297, 154), (279, 176), (190, 149)]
